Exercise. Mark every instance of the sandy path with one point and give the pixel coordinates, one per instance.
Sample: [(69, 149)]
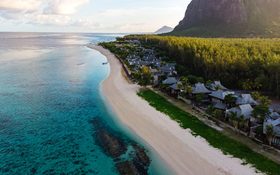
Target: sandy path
[(184, 153)]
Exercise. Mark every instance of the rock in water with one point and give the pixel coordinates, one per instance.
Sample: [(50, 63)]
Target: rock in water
[(116, 146), (141, 160), (111, 144), (127, 168)]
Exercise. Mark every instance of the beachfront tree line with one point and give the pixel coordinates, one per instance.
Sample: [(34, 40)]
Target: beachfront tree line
[(249, 64), (144, 76)]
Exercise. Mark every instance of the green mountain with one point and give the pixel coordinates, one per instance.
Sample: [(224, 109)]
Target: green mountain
[(231, 18)]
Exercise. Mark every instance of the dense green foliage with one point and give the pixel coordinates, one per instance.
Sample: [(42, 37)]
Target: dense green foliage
[(121, 53), (219, 31), (250, 64), (215, 138)]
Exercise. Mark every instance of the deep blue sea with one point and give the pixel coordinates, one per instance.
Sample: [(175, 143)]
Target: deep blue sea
[(49, 96)]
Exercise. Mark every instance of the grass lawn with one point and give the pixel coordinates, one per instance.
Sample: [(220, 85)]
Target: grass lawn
[(215, 138)]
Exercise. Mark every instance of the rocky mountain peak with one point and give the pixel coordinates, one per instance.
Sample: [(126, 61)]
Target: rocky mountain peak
[(239, 17)]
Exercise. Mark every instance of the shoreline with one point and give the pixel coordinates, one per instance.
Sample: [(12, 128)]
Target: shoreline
[(179, 149)]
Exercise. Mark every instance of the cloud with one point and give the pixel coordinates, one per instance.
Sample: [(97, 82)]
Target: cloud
[(58, 7), (41, 12), (65, 15), (42, 19), (139, 19), (19, 5), (64, 7)]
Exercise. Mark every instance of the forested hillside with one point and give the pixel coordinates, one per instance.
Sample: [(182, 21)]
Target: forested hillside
[(251, 64)]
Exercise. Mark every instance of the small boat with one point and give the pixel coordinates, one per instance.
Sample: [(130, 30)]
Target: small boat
[(105, 63)]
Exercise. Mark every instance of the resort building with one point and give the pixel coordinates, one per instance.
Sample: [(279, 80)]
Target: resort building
[(274, 115), (175, 89), (170, 81), (169, 69), (220, 106), (246, 99), (242, 110), (220, 95), (216, 85), (275, 124), (199, 88)]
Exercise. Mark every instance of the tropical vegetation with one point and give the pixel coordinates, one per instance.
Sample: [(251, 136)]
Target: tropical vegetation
[(215, 138), (249, 64)]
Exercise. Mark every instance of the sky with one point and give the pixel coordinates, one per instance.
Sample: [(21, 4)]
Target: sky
[(113, 16)]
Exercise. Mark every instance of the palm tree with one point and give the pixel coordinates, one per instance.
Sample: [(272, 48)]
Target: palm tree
[(218, 114), (184, 82), (234, 119), (269, 133), (260, 112), (230, 100), (185, 85), (189, 89), (242, 121), (210, 110), (264, 101), (199, 98), (146, 76)]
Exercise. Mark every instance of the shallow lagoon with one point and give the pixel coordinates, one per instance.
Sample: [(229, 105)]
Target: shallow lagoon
[(49, 93)]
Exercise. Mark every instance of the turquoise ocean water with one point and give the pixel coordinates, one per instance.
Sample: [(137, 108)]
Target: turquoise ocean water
[(49, 93)]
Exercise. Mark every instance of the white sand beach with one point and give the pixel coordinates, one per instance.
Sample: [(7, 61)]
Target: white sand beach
[(180, 150)]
